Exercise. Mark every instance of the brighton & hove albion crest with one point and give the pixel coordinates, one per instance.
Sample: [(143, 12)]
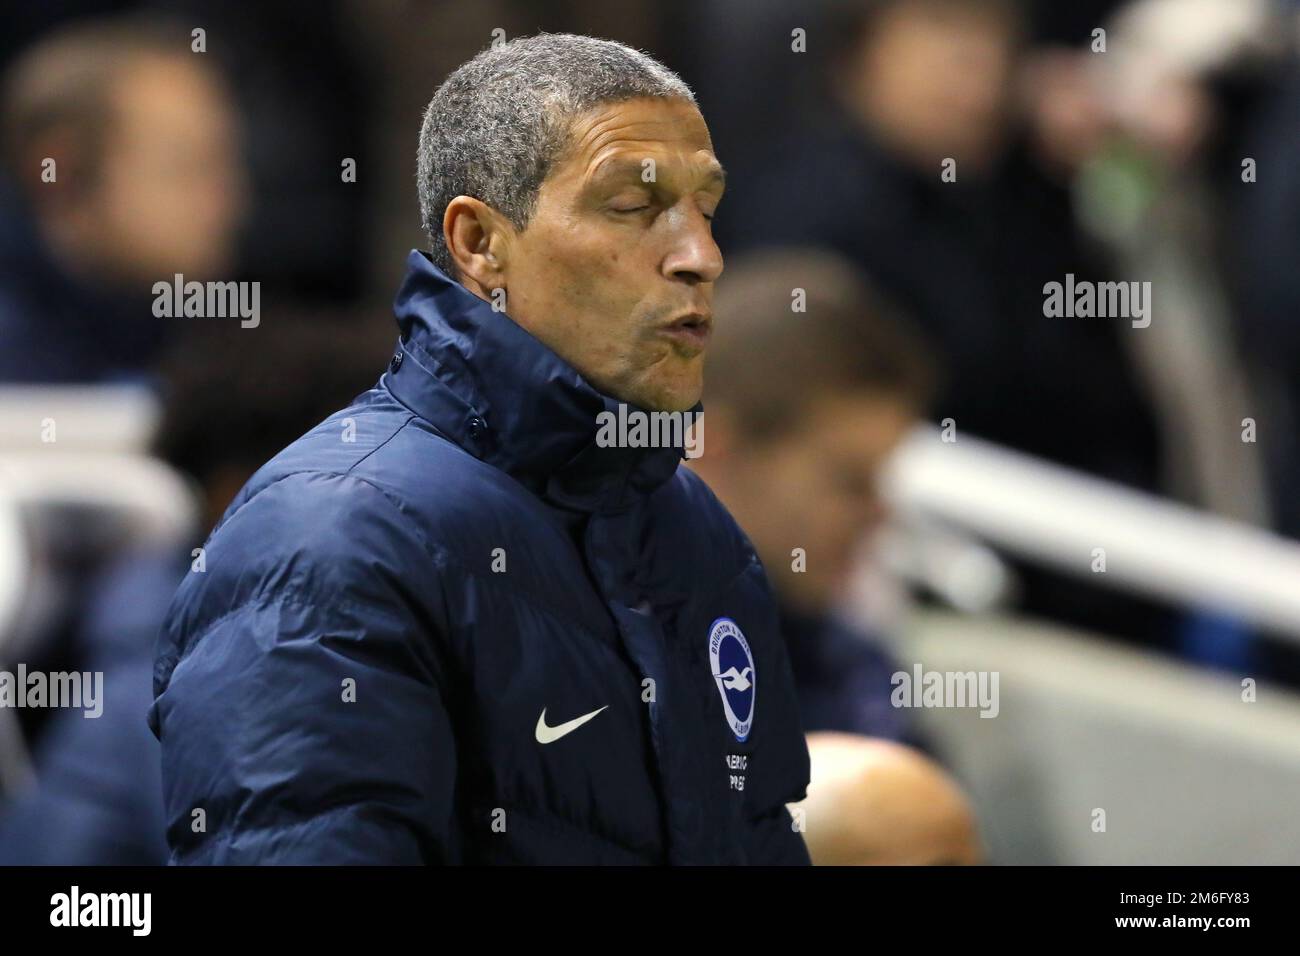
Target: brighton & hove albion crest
[(733, 670)]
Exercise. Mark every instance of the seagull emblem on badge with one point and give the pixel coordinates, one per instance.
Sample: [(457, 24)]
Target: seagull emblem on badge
[(733, 679)]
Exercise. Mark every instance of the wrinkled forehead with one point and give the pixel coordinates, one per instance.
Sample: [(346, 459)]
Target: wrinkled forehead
[(612, 138)]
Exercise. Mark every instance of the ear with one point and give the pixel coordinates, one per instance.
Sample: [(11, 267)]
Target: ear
[(477, 237)]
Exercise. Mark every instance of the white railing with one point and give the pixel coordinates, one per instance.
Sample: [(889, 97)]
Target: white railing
[(1059, 517), (81, 447), (13, 559), (150, 499), (119, 418)]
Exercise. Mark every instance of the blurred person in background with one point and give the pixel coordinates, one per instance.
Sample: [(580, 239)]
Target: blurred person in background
[(911, 163), (229, 405), (803, 409), (912, 85), (1169, 140), (122, 167)]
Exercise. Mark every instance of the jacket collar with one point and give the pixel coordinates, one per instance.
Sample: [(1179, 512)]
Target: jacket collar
[(485, 383)]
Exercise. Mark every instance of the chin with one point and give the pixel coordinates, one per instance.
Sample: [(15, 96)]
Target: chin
[(680, 395), (671, 401)]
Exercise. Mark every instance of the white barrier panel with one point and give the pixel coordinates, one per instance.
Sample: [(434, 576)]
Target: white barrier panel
[(1182, 768), (82, 417), (13, 558), (1060, 517), (155, 502)]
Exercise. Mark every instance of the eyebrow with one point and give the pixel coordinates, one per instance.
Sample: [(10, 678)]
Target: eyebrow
[(615, 169)]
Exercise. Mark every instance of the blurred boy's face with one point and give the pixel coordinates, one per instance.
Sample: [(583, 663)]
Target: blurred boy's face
[(815, 488), (170, 189), (615, 272), (932, 80)]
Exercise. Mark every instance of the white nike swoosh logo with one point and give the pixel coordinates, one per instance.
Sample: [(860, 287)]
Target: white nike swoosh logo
[(546, 735)]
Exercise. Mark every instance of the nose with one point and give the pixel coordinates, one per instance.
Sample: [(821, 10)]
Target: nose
[(694, 257)]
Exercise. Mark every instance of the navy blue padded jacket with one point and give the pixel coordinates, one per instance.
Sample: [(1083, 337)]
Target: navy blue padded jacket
[(449, 626)]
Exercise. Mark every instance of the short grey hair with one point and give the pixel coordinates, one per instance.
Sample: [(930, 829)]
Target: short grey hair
[(496, 126)]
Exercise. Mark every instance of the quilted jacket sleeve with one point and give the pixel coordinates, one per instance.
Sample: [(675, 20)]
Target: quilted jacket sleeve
[(297, 687), (777, 841)]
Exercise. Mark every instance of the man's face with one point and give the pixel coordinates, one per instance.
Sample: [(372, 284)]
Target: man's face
[(173, 189), (934, 80), (816, 488), (615, 270)]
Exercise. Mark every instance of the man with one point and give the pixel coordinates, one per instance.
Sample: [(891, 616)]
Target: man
[(121, 166), (804, 409), (912, 166), (797, 458), (449, 624)]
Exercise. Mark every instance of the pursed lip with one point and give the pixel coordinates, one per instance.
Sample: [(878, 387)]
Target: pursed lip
[(691, 330)]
